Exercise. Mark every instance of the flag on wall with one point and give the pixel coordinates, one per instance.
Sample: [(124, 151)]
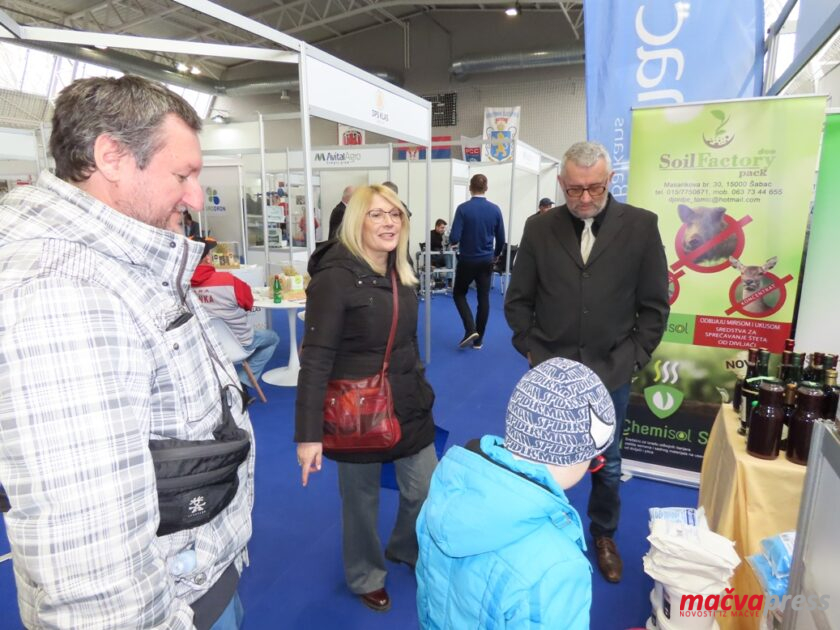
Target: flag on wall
[(472, 148), (416, 152), (348, 136), (660, 52), (501, 125)]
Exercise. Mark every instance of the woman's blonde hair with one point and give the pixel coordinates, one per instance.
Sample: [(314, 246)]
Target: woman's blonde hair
[(352, 225)]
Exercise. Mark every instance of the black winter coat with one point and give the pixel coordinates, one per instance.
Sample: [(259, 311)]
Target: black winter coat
[(348, 318)]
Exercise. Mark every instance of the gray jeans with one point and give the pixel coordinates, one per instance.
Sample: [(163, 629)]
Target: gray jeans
[(359, 485)]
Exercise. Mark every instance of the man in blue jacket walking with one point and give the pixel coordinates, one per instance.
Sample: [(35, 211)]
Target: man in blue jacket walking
[(477, 224), (500, 544)]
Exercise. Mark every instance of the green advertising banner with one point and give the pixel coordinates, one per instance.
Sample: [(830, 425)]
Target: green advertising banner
[(819, 300), (732, 183)]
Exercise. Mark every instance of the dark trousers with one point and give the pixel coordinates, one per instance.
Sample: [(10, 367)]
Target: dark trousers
[(465, 273), (604, 501)]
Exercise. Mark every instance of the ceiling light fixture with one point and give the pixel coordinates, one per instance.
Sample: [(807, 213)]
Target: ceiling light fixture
[(513, 11), (182, 67), (220, 116), (195, 70)]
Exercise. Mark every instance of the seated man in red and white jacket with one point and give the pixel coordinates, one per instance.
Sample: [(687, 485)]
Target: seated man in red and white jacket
[(225, 296)]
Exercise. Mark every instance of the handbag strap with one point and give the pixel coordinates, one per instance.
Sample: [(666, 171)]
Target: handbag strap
[(394, 318)]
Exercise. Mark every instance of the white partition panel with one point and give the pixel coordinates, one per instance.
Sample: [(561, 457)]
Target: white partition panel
[(525, 203), (230, 137), (222, 213), (17, 144)]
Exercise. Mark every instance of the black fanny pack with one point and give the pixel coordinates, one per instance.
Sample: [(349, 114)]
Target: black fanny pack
[(196, 479)]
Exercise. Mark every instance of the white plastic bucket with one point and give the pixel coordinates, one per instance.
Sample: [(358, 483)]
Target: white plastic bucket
[(656, 595)]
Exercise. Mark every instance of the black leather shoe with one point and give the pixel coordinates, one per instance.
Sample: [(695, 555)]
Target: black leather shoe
[(379, 600), (609, 561)]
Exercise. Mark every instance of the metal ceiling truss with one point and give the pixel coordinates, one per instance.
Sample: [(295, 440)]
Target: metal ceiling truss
[(321, 20)]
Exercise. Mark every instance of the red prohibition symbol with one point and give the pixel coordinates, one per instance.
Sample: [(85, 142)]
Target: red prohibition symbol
[(688, 259), (674, 285), (757, 304)]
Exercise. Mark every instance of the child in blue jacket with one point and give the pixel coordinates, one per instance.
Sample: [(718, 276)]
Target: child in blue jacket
[(500, 545)]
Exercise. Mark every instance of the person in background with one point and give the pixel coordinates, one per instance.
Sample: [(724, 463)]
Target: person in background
[(337, 213), (436, 236), (301, 240), (590, 284), (225, 296), (479, 232), (348, 321), (436, 243), (191, 228), (500, 544), (546, 204), (102, 351)]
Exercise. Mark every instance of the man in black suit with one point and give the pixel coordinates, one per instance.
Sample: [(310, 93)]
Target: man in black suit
[(590, 284), (337, 214)]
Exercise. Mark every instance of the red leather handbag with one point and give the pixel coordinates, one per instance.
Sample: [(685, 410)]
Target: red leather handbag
[(359, 413)]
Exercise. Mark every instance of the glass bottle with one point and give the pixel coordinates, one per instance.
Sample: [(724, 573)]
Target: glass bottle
[(790, 409), (809, 403), (749, 401), (831, 393), (763, 362), (813, 372), (784, 364), (795, 369), (767, 420), (752, 357), (278, 290), (829, 362), (789, 343)]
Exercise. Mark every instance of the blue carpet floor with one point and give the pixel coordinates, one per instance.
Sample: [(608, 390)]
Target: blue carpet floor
[(296, 579)]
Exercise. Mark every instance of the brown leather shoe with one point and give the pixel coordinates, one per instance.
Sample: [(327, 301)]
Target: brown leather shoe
[(379, 600), (609, 561)]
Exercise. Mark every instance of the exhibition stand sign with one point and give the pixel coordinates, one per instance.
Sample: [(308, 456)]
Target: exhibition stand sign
[(732, 183), (658, 52)]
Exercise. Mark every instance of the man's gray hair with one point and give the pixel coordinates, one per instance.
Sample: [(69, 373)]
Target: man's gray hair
[(130, 109), (586, 154)]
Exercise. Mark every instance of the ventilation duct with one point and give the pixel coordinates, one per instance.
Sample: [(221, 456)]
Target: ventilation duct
[(517, 61)]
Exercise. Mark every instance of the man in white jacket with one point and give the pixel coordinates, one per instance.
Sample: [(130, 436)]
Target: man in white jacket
[(102, 349)]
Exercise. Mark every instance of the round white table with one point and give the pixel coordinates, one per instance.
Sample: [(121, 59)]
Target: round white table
[(284, 376)]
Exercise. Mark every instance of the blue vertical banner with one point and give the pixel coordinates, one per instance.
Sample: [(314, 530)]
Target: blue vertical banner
[(664, 52)]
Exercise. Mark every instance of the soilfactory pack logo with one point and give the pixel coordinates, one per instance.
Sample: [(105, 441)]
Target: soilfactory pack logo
[(662, 399), (720, 137)]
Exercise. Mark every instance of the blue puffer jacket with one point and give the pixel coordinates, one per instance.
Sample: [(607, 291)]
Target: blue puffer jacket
[(498, 550)]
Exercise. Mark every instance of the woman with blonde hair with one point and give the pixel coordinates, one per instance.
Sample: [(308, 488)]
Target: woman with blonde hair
[(348, 320)]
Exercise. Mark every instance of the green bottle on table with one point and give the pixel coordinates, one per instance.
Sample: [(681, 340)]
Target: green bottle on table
[(278, 290)]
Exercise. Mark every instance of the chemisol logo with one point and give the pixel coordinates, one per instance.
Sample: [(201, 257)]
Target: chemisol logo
[(662, 399), (720, 137)]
